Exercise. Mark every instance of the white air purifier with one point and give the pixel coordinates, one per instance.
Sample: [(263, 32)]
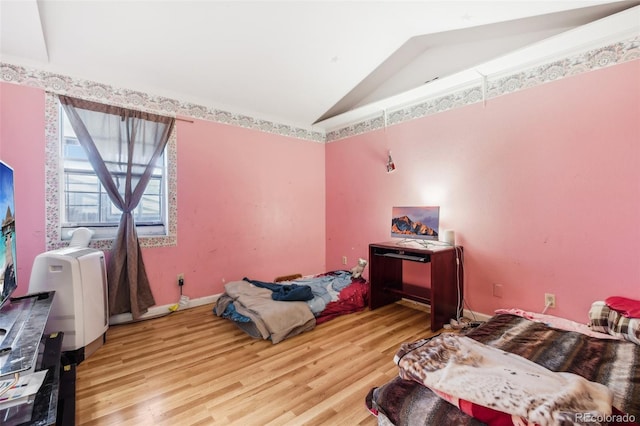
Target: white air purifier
[(80, 305)]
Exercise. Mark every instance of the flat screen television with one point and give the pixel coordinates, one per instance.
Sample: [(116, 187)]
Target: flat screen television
[(416, 223), (8, 281)]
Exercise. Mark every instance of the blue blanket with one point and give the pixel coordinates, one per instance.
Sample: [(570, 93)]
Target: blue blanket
[(285, 292), (316, 291)]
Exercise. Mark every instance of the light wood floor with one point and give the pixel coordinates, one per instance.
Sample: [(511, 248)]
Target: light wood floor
[(193, 368)]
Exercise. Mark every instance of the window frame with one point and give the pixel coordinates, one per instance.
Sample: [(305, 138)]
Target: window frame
[(58, 232)]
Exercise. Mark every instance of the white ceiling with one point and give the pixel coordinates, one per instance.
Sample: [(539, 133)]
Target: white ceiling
[(293, 62)]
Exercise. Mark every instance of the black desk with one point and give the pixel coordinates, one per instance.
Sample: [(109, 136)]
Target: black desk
[(387, 286), (41, 352), (43, 410)]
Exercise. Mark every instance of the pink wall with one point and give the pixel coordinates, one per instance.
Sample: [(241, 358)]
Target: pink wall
[(249, 203), (542, 187), (22, 147)]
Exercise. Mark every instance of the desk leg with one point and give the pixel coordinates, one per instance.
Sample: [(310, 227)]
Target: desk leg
[(444, 288), (384, 272)]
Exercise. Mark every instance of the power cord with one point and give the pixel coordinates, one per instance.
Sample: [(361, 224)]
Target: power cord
[(548, 304), (473, 314), (462, 323), (459, 264)]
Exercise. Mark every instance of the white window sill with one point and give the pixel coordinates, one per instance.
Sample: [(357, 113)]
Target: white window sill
[(109, 233)]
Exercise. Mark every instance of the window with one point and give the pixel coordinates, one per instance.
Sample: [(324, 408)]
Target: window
[(84, 201)]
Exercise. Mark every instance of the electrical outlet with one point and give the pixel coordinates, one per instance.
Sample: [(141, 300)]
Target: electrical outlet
[(344, 260), (550, 300), (497, 290), (180, 280)]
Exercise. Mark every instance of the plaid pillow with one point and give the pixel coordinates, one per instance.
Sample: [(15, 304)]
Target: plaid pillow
[(606, 320)]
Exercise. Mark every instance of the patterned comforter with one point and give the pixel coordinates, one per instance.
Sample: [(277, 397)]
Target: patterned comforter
[(613, 363), (251, 305)]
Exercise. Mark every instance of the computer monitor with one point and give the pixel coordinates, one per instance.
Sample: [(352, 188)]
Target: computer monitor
[(417, 223)]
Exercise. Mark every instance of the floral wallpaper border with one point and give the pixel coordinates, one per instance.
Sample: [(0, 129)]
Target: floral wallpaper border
[(596, 58), (104, 93), (620, 52), (53, 238)]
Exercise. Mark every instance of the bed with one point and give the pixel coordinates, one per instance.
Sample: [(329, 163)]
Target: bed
[(593, 374), (279, 310)]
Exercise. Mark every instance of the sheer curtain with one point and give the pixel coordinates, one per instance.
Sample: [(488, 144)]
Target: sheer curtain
[(122, 146)]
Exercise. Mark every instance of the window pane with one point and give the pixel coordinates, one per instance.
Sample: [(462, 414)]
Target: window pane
[(149, 209), (82, 207), (73, 150), (110, 213), (82, 183), (81, 199), (86, 202), (154, 187)]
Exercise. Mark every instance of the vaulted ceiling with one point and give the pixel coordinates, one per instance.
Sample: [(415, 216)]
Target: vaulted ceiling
[(304, 63)]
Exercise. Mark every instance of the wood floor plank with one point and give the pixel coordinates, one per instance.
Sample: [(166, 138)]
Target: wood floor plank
[(194, 368)]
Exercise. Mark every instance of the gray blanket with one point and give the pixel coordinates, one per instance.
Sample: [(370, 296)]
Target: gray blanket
[(270, 319)]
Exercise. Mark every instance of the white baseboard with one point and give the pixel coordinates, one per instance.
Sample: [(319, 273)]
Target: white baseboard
[(467, 313), (476, 316), (159, 311)]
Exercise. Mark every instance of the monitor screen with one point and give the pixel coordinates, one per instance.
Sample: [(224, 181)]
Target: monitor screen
[(8, 282), (415, 222)]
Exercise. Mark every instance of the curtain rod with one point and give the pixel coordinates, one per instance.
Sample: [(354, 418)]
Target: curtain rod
[(184, 119)]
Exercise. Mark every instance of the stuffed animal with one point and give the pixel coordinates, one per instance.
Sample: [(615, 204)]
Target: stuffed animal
[(356, 271)]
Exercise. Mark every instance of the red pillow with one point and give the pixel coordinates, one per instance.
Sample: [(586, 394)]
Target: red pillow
[(628, 307)]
